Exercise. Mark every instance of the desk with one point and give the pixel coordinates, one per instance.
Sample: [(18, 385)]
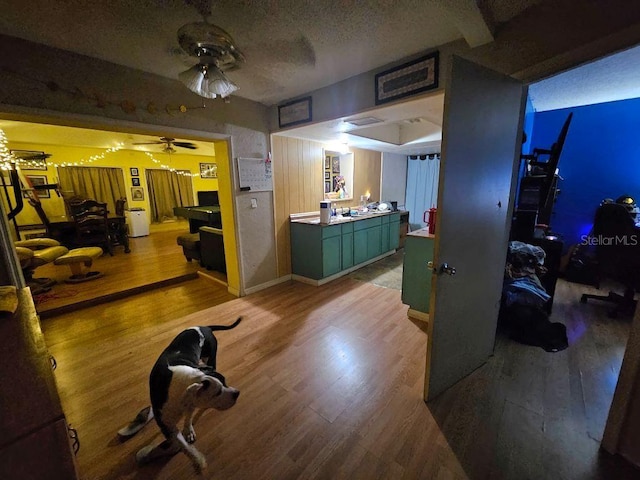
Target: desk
[(200, 216), (63, 229)]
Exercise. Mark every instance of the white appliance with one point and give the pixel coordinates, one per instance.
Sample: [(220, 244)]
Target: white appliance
[(137, 221)]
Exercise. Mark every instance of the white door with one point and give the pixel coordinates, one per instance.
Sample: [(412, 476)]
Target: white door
[(482, 127)]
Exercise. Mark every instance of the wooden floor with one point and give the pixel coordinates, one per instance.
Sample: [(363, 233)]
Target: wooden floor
[(331, 380), (155, 260)]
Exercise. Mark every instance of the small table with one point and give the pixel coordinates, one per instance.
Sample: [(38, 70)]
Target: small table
[(62, 228)]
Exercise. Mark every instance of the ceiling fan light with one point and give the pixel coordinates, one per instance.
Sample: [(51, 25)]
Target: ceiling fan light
[(193, 78), (218, 83)]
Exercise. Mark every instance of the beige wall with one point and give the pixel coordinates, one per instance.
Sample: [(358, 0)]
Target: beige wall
[(299, 181), (298, 187)]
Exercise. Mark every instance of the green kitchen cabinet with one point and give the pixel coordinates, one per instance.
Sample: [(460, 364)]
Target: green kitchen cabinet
[(416, 274), (347, 246)]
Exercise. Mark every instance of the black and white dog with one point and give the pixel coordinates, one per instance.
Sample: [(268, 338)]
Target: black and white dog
[(179, 384)]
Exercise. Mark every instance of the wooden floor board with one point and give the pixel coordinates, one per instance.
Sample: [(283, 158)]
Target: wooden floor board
[(331, 382)]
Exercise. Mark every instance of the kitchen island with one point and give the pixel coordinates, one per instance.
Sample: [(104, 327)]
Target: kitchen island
[(416, 273)]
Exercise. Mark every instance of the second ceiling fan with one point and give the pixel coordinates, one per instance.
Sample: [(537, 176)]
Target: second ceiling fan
[(169, 143)]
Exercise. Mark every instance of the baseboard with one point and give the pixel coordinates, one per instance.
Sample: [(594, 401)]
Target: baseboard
[(271, 283), (417, 315)]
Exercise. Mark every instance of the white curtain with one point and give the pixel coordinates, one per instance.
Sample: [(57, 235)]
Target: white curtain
[(423, 172)]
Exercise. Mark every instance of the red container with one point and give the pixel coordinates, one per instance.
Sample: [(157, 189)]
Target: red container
[(429, 218)]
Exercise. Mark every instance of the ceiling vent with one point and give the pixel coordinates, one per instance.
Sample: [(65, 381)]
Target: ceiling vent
[(360, 122)]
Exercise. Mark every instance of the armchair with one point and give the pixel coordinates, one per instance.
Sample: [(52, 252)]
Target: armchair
[(617, 242), (34, 253)]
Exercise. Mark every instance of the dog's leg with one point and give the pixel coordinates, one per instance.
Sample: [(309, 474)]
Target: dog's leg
[(187, 431), (197, 459)]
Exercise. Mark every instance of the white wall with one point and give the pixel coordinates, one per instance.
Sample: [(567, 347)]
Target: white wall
[(393, 186)]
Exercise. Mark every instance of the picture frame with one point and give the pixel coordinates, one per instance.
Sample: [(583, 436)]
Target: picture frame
[(327, 175), (208, 170), (407, 79), (327, 162), (134, 171), (37, 159), (38, 180), (335, 165), (327, 187), (137, 194), (135, 181), (295, 112)]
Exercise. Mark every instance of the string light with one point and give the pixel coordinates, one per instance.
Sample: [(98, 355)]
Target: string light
[(186, 173), (7, 160)]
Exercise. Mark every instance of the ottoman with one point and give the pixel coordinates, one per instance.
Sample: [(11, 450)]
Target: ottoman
[(80, 261)]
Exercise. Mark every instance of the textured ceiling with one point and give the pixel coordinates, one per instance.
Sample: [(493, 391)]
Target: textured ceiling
[(291, 47), (615, 77)]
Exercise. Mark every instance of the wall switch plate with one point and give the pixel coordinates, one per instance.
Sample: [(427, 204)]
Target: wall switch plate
[(254, 203)]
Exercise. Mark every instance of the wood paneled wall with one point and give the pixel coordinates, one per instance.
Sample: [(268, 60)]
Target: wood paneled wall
[(366, 171), (298, 185)]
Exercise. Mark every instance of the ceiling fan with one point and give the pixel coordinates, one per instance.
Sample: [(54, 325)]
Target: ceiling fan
[(169, 143)]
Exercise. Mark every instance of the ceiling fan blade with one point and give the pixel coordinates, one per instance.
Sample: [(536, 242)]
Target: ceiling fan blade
[(147, 143), (185, 145)]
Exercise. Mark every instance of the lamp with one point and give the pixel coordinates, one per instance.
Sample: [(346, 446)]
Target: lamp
[(207, 80)]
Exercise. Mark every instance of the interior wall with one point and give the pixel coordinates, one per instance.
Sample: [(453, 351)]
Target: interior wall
[(298, 187), (368, 168), (48, 85), (394, 178), (597, 160), (124, 159)]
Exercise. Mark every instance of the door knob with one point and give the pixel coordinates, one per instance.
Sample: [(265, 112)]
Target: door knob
[(448, 269)]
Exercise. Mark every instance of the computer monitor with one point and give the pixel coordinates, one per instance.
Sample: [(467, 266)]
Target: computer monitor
[(208, 198)]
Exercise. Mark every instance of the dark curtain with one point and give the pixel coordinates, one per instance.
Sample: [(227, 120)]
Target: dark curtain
[(98, 183), (168, 189)]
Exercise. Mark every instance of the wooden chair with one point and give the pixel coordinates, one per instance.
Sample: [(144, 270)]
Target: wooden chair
[(92, 225), (64, 235)]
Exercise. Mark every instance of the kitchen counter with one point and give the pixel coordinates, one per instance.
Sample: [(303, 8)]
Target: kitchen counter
[(313, 218)]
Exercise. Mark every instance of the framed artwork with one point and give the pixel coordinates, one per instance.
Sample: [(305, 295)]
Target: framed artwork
[(408, 79), (327, 187), (38, 180), (135, 181), (335, 165), (327, 162), (327, 175), (295, 112), (35, 160), (137, 194), (134, 172), (208, 170)]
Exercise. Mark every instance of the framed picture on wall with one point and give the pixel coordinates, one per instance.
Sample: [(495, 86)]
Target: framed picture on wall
[(135, 181), (327, 162), (134, 172), (327, 175), (327, 187), (208, 170), (38, 180), (31, 159), (335, 165), (137, 194)]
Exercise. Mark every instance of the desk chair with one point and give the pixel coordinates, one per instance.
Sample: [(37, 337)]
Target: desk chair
[(617, 256)]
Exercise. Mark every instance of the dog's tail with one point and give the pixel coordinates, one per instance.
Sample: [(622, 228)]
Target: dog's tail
[(226, 327)]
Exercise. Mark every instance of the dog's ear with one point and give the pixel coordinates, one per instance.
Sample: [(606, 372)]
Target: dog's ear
[(212, 386)]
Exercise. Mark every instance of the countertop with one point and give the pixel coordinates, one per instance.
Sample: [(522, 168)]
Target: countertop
[(313, 218), (423, 232)]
